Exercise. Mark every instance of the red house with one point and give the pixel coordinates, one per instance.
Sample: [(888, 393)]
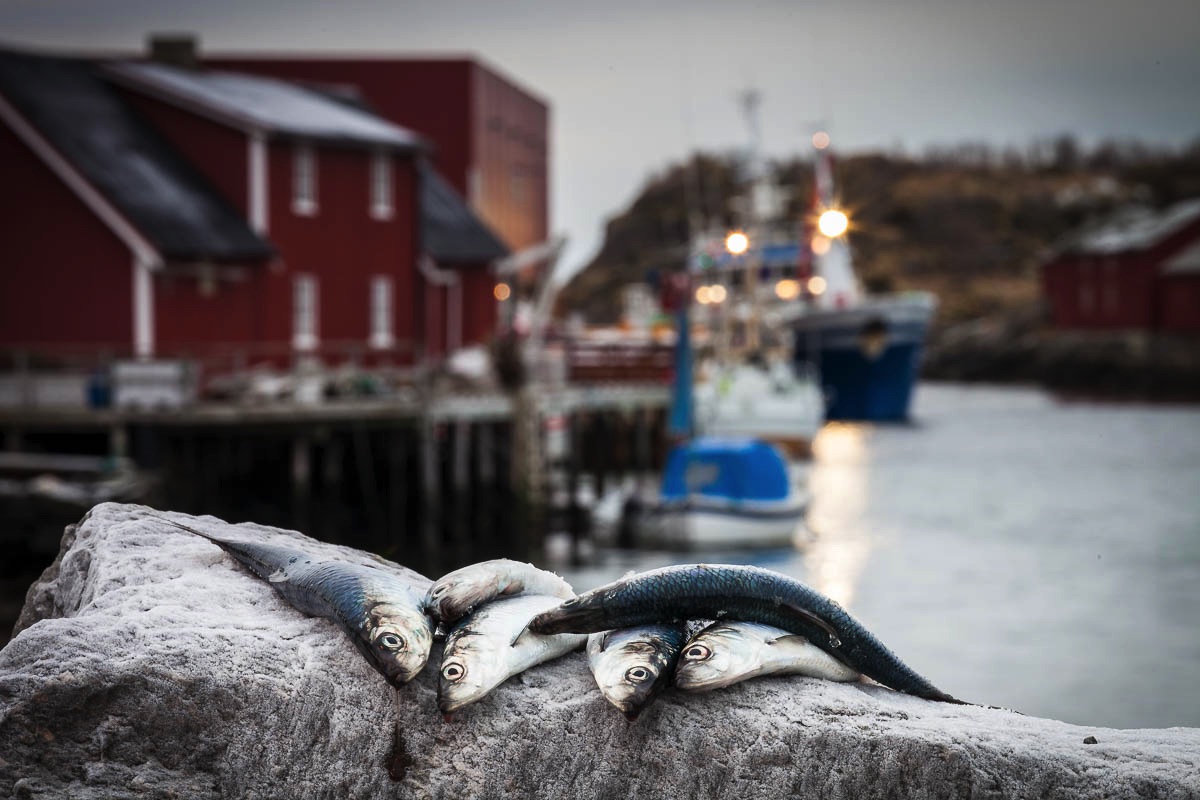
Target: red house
[(491, 144), (1139, 270), (160, 208)]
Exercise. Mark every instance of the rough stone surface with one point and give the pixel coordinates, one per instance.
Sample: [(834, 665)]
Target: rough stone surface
[(148, 664)]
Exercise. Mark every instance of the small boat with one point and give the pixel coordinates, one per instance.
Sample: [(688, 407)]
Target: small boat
[(723, 493)]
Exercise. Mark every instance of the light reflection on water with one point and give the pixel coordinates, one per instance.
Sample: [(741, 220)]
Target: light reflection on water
[(1015, 550), (840, 543)]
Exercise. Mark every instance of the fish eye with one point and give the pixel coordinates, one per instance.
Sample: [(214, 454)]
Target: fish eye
[(392, 641), (453, 672), (574, 601), (637, 674), (697, 652)]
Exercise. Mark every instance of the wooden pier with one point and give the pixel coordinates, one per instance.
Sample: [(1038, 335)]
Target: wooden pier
[(432, 479)]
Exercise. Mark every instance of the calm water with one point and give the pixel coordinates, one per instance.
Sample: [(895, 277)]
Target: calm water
[(1016, 550)]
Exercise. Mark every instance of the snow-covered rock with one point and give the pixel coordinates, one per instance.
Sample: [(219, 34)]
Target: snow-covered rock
[(148, 664)]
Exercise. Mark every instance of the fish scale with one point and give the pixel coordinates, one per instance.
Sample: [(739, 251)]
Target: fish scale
[(703, 591)]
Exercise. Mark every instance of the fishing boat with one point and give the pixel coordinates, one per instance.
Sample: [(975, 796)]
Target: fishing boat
[(865, 349), (753, 387)]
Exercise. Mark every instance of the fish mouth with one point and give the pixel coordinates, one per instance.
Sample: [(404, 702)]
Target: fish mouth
[(449, 707)]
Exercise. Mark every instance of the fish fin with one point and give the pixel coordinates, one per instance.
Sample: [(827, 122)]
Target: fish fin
[(278, 576), (517, 638), (835, 641), (790, 638), (604, 640)]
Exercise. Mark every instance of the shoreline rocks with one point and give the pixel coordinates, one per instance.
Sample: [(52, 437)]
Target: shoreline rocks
[(147, 663), (1119, 364)]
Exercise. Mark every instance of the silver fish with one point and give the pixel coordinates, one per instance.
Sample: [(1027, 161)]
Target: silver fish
[(488, 647), (726, 653), (633, 665), (380, 612), (457, 592)]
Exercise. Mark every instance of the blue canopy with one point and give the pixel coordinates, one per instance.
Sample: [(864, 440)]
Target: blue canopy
[(734, 469)]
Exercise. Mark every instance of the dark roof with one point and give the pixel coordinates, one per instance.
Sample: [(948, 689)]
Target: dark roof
[(266, 104), (158, 191), (450, 231)]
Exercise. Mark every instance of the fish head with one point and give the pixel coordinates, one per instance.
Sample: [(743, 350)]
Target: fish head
[(456, 593), (720, 655), (396, 639), (472, 665), (631, 673)]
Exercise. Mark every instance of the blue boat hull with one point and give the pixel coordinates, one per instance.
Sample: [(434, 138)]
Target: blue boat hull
[(868, 358)]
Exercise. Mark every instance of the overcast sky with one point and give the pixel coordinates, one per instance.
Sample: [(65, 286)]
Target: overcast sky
[(634, 86)]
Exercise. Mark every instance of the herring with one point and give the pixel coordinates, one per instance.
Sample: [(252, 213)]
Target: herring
[(380, 612), (631, 666), (726, 653), (457, 592), (490, 645), (752, 594)]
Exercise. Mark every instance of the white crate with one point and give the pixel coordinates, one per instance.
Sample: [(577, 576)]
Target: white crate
[(153, 384)]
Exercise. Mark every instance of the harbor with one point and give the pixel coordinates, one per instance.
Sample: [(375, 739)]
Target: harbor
[(507, 402)]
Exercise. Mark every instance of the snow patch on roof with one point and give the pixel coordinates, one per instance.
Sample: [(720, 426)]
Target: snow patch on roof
[(267, 104), (1136, 229)]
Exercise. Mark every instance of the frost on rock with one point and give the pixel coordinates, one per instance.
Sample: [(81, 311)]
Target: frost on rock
[(148, 663)]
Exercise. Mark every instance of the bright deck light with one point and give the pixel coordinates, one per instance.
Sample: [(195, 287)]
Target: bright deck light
[(820, 244), (820, 140), (787, 289), (833, 223), (737, 243), (717, 293), (502, 292), (816, 285), (702, 296)]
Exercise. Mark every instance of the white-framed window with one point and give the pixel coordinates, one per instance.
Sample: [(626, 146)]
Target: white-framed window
[(382, 327), (381, 185), (304, 180), (304, 312)]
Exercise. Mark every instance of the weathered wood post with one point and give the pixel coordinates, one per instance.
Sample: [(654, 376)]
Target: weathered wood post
[(431, 499), (527, 467)]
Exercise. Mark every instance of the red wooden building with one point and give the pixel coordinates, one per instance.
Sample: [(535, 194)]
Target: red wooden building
[(490, 141), (162, 208), (1139, 270)]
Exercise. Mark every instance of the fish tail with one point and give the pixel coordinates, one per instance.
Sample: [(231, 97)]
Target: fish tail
[(202, 534), (942, 697), (246, 556)]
